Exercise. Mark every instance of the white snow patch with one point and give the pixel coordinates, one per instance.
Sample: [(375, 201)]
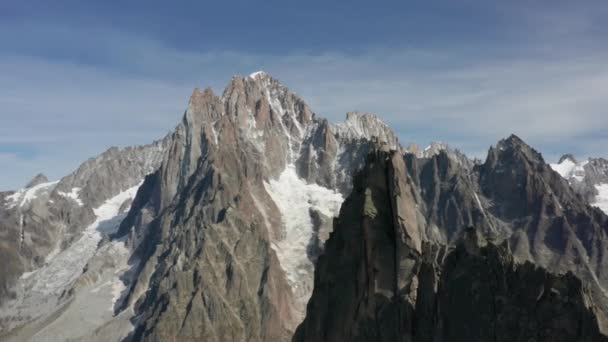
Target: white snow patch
[(24, 196), (257, 73), (65, 266), (73, 194), (111, 207), (39, 293), (479, 204), (564, 168), (569, 169), (601, 200), (294, 198)]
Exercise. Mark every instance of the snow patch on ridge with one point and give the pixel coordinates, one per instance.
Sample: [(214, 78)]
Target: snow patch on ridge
[(39, 291), (23, 196), (601, 200), (570, 170), (295, 198), (74, 195), (564, 168), (65, 266), (257, 74)]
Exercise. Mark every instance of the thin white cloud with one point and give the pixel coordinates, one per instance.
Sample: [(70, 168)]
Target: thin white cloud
[(137, 90)]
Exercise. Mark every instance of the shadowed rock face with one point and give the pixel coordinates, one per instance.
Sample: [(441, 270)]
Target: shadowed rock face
[(551, 224), (515, 195), (376, 282)]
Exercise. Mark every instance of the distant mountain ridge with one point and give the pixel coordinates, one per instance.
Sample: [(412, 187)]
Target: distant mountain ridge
[(589, 178)]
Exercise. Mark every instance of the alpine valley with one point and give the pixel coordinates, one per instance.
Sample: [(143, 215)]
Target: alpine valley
[(257, 220)]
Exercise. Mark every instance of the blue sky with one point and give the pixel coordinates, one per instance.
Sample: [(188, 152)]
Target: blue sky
[(77, 77)]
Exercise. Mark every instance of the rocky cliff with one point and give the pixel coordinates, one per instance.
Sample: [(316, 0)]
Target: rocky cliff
[(381, 279)]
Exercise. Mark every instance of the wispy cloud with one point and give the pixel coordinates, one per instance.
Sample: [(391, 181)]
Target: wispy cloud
[(102, 87)]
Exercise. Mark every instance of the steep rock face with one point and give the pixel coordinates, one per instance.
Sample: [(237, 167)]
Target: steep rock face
[(450, 198), (515, 195), (377, 280), (552, 225), (365, 280), (37, 180), (225, 232), (482, 295)]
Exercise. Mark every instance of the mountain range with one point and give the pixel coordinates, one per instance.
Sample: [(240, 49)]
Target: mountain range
[(257, 220)]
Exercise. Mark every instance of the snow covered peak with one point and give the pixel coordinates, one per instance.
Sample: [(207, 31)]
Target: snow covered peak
[(366, 126), (566, 167), (566, 157), (24, 196), (38, 179), (589, 178), (431, 150), (258, 74)]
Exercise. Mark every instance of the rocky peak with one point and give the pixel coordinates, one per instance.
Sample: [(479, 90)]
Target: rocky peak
[(515, 147), (38, 179), (259, 74), (366, 126), (372, 284), (437, 148), (434, 148), (200, 103), (569, 157)]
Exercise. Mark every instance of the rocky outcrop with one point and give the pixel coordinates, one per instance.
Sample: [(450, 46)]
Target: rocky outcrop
[(381, 280), (37, 180), (515, 195), (551, 224)]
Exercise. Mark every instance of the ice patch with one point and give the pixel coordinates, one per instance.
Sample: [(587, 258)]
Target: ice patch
[(601, 200), (63, 268), (73, 194), (257, 73), (24, 196), (38, 292), (294, 198), (566, 168)]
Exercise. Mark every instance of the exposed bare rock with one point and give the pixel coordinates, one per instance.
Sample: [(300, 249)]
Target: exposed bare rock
[(37, 180), (226, 250), (375, 284)]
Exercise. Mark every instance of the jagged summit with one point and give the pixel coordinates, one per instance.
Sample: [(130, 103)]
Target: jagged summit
[(258, 74), (432, 149), (374, 284), (38, 179), (567, 156), (360, 125), (511, 141), (514, 148)]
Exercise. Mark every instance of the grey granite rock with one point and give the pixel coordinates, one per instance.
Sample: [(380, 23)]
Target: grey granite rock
[(380, 281)]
